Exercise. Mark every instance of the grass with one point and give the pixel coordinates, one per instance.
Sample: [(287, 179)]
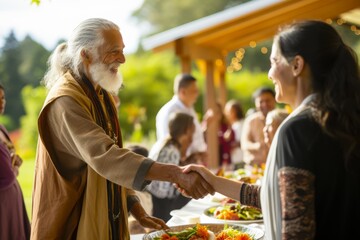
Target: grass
[(26, 180)]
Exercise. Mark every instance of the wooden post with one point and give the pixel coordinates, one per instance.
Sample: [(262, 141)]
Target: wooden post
[(220, 66), (212, 129), (185, 64)]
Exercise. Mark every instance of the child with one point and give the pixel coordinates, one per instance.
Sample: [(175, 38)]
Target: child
[(172, 150)]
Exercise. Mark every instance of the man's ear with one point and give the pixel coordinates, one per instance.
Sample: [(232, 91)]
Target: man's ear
[(298, 64), (86, 57)]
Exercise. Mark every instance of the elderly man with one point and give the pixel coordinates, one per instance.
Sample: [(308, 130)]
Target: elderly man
[(83, 176)]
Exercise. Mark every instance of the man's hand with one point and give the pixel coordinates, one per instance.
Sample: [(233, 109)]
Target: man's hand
[(145, 220), (194, 185)]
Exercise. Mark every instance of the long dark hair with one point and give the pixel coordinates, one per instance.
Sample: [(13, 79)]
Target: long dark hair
[(335, 80)]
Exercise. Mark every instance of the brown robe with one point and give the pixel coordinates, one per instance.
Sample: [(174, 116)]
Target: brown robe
[(74, 158)]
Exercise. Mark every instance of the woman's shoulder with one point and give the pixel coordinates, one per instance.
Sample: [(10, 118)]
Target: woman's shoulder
[(302, 121)]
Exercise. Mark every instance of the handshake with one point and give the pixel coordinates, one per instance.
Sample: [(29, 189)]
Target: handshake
[(195, 181)]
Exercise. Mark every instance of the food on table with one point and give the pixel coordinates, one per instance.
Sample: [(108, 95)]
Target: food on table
[(234, 212), (252, 174), (201, 232), (227, 200)]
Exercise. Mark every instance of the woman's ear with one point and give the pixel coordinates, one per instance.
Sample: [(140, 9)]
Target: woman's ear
[(297, 65)]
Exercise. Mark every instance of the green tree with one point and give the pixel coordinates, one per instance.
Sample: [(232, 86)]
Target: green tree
[(33, 61), (242, 85), (10, 77), (162, 15), (148, 81), (33, 98)]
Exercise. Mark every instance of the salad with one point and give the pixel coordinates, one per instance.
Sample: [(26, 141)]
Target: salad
[(234, 212), (201, 232)]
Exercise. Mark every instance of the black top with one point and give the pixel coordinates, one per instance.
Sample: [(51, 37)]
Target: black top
[(302, 144)]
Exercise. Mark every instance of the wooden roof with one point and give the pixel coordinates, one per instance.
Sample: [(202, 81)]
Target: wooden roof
[(214, 36)]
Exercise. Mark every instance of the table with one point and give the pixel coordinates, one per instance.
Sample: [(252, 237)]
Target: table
[(197, 207)]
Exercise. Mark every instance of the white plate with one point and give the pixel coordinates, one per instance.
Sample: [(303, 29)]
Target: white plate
[(255, 232), (187, 217)]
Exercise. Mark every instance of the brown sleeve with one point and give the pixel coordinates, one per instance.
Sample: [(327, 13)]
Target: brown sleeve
[(74, 139), (297, 203)]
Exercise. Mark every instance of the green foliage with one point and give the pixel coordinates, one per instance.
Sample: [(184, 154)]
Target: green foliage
[(33, 65), (148, 80), (25, 178), (254, 60), (33, 99), (21, 63), (6, 121), (36, 2), (241, 86), (10, 60), (163, 15)]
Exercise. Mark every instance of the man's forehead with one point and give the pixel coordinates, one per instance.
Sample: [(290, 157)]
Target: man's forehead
[(113, 37)]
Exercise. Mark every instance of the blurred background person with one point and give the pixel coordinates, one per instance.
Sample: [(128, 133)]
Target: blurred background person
[(14, 222), (171, 149), (226, 138), (273, 121), (252, 139), (235, 115), (186, 93)]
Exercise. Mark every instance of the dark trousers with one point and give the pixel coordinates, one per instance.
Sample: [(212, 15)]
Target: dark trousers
[(163, 206)]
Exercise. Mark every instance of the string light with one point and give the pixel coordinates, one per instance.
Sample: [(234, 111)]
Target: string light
[(328, 21), (264, 50), (252, 44), (340, 21), (236, 65)]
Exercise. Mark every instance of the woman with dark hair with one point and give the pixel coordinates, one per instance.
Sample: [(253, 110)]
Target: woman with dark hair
[(311, 187), (14, 222)]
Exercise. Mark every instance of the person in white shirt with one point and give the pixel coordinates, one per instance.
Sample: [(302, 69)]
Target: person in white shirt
[(186, 93)]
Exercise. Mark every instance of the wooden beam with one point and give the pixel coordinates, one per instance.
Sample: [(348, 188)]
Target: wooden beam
[(185, 64), (211, 132), (186, 47), (221, 72), (263, 24)]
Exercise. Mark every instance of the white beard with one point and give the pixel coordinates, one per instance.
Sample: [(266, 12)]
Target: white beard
[(101, 74)]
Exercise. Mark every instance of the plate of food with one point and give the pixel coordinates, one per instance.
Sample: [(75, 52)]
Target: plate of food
[(233, 214), (206, 231)]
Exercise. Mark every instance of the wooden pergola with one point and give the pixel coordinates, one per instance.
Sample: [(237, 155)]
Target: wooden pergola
[(210, 39)]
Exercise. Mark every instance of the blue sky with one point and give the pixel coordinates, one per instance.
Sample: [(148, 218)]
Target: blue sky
[(55, 19)]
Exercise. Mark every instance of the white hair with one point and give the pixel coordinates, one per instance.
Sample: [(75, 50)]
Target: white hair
[(67, 56)]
